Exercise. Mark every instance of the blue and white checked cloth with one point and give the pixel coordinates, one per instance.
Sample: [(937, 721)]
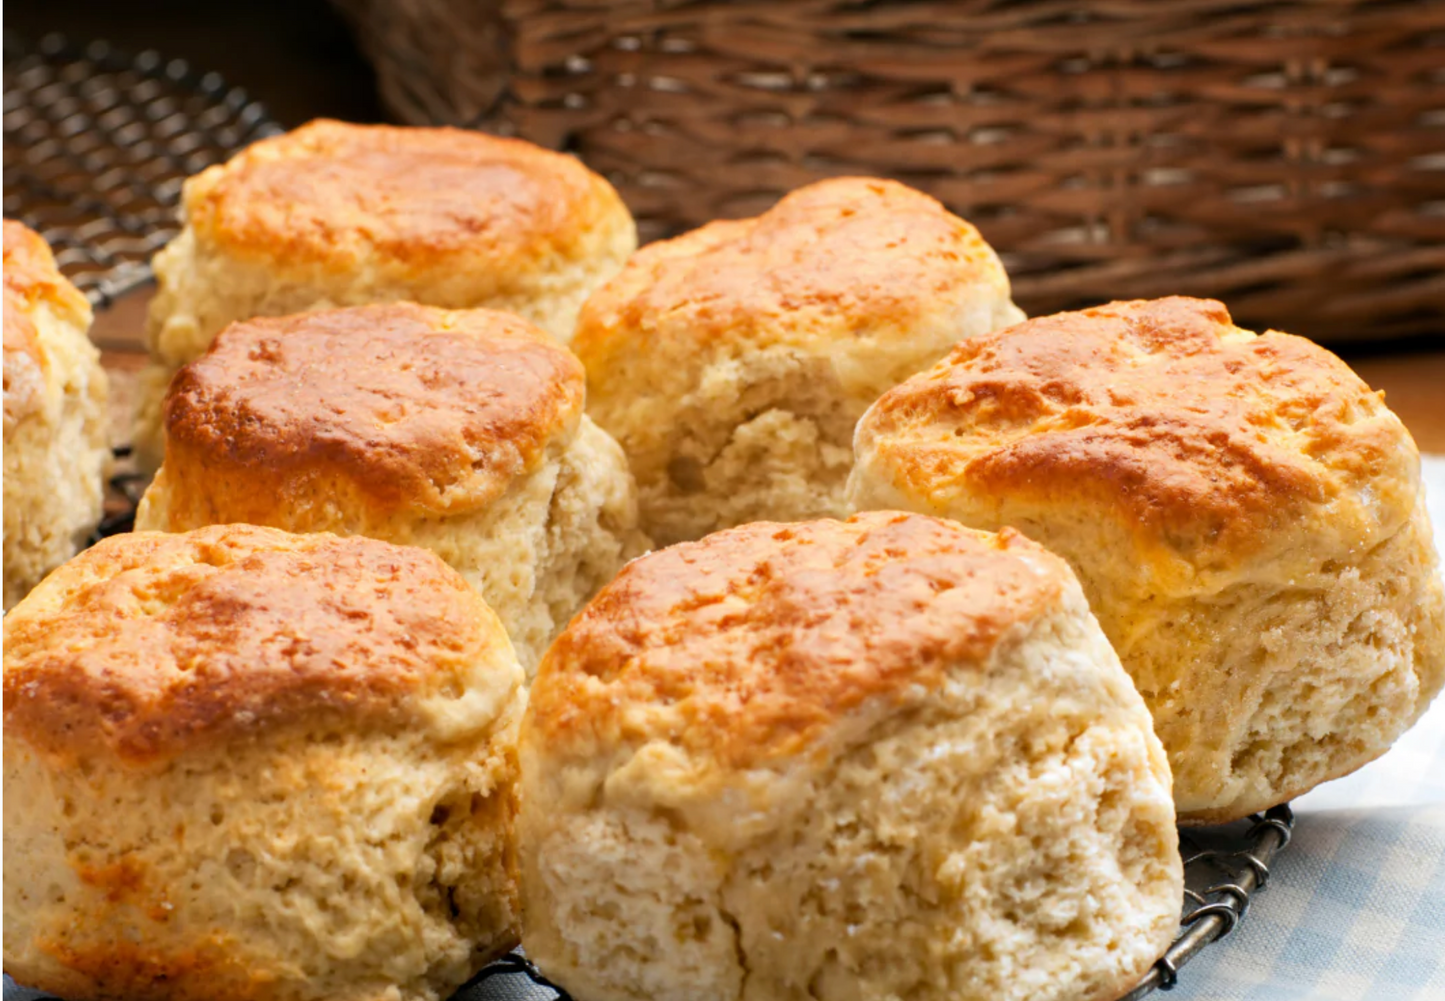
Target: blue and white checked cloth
[(1355, 909)]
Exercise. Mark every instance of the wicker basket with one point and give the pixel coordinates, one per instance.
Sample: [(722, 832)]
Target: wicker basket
[(1288, 158)]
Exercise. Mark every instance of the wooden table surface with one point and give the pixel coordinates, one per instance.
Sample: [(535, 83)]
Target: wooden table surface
[(1413, 381)]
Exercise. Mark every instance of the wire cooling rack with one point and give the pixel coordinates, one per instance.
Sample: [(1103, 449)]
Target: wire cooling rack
[(97, 144)]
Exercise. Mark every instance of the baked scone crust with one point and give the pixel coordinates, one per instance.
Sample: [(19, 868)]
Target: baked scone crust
[(419, 409), (149, 645), (333, 194), (56, 435), (31, 276), (24, 364), (887, 757), (854, 262), (33, 283), (1202, 440), (460, 431), (758, 637), (1244, 512), (732, 362), (240, 764), (335, 214)]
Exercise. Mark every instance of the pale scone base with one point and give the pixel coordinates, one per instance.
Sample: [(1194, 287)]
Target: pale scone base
[(56, 458), (763, 439), (1277, 678), (1328, 672), (1008, 838), (335, 866), (762, 434)]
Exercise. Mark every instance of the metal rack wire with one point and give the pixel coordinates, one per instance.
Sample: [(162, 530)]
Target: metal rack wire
[(1221, 876), (96, 147), (97, 144)]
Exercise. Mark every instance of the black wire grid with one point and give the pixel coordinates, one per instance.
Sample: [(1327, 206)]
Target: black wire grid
[(97, 144)]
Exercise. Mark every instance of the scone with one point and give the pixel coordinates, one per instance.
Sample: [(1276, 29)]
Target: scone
[(334, 214), (732, 363), (883, 758), (243, 764), (459, 431), (56, 451), (1245, 515)]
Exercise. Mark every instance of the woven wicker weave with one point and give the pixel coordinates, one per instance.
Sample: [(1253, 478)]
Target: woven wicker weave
[(1288, 158)]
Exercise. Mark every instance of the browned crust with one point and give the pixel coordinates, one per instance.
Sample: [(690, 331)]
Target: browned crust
[(849, 255), (421, 408), (31, 272), (756, 638), (148, 644), (115, 969), (1194, 432), (333, 193)]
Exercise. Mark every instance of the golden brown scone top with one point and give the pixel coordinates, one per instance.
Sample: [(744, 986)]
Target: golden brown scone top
[(148, 644), (335, 193), (31, 273), (31, 277), (830, 261), (743, 645), (430, 409), (1204, 438)]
